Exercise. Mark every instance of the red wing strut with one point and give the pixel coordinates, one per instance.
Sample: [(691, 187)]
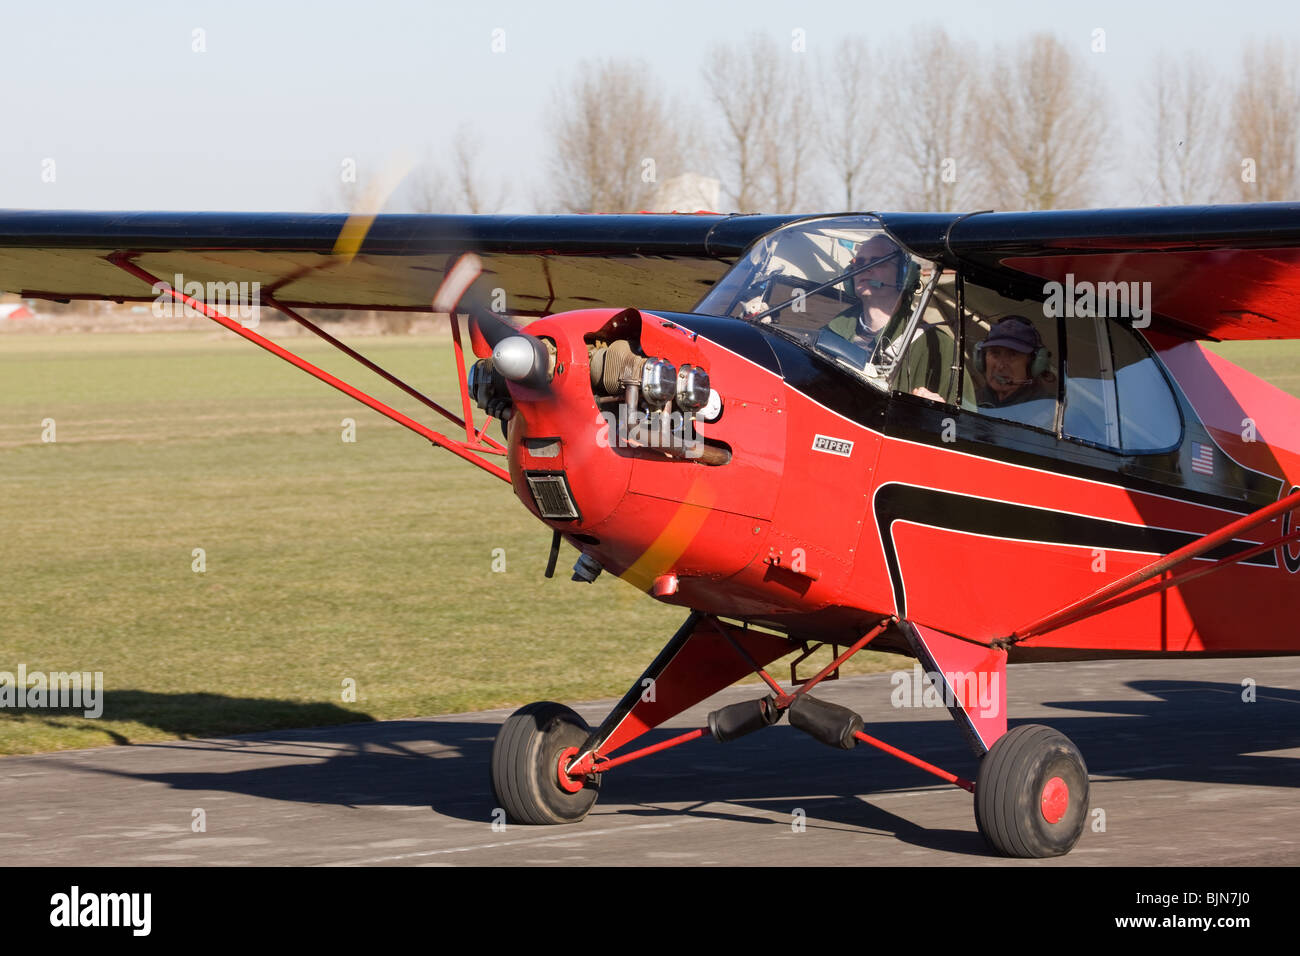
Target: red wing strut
[(471, 449), (1122, 591)]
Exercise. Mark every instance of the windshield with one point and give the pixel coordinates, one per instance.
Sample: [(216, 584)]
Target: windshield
[(842, 287)]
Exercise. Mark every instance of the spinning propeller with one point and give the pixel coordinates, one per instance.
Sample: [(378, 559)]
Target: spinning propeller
[(526, 360), (518, 356)]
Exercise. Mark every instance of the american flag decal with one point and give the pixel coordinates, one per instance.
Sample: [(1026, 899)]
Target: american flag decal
[(1202, 459)]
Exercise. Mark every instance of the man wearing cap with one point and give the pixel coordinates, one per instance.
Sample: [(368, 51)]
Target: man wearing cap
[(1014, 363)]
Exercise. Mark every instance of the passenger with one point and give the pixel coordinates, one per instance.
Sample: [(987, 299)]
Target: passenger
[(1015, 364)]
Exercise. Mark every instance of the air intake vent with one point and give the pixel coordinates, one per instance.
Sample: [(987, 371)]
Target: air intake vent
[(551, 493)]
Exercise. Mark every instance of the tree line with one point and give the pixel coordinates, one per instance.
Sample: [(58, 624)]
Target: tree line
[(935, 123)]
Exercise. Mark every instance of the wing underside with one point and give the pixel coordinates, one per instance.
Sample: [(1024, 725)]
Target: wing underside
[(542, 264)]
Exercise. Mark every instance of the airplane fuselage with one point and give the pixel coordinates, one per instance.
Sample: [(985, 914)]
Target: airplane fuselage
[(826, 503)]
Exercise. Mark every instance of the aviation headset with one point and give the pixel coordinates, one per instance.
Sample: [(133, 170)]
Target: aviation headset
[(909, 276), (1039, 359), (909, 279)]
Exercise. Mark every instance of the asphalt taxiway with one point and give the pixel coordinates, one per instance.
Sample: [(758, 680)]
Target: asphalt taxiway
[(1184, 771)]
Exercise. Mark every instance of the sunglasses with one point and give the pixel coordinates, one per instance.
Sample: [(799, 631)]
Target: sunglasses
[(858, 261)]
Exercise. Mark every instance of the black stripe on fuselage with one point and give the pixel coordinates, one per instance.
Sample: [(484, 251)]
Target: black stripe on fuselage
[(895, 501)]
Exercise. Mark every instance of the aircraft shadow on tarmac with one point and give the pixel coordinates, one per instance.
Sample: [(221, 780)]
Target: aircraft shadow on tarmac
[(206, 715), (1193, 731)]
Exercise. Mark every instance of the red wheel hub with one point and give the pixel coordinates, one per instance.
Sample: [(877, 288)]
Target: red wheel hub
[(1056, 799), (567, 783)]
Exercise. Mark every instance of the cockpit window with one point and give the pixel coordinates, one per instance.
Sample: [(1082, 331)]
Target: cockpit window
[(842, 287)]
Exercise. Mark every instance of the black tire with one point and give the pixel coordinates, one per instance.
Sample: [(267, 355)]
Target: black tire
[(525, 766), (1032, 773)]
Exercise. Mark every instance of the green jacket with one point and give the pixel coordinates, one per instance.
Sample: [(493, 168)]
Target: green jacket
[(845, 324), (928, 362)]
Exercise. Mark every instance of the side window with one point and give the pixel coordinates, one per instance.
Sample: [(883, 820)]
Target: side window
[(1011, 360), (1149, 419), (929, 365), (1091, 412), (1115, 395)]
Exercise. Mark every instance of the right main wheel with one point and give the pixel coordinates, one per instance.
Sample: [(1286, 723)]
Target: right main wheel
[(1031, 797), (526, 761)]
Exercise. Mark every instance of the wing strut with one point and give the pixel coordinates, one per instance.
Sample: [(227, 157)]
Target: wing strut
[(1114, 594), (468, 450)]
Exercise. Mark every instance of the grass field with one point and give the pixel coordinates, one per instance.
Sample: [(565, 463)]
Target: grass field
[(325, 561)]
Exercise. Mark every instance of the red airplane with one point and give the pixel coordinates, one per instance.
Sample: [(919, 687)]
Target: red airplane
[(972, 439)]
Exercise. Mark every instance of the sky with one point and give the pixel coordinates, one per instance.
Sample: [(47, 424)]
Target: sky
[(255, 105)]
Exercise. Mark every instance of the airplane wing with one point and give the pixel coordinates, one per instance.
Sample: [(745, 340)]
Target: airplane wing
[(392, 262), (1210, 272), (530, 265)]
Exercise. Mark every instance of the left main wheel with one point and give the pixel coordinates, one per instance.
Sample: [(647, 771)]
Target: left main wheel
[(526, 770), (1031, 798)]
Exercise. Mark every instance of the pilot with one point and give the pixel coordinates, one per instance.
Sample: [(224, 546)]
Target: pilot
[(1015, 365), (879, 290), (884, 294)]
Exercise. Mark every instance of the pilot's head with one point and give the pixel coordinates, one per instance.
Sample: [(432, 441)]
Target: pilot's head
[(881, 286), (1011, 356)]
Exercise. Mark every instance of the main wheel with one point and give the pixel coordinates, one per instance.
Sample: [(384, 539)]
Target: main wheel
[(1031, 797), (526, 766)]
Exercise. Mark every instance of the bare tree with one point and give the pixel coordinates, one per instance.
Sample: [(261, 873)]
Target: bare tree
[(852, 110), (741, 100), (1185, 120), (455, 183), (1042, 127), (925, 96), (1262, 140), (344, 192), (615, 135), (426, 189), (788, 149), (475, 195), (763, 95), (368, 186)]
